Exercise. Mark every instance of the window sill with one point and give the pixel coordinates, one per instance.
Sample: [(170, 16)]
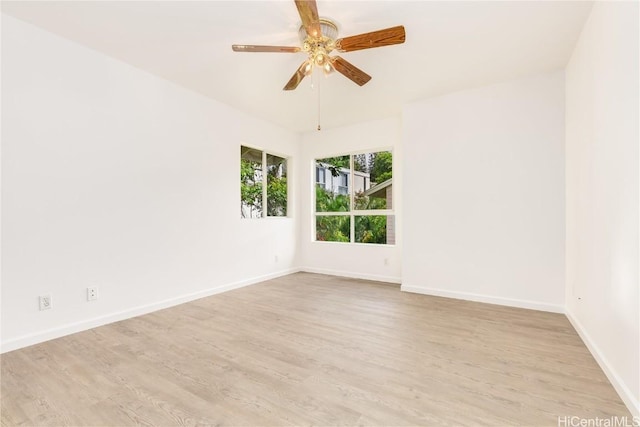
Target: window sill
[(383, 245)]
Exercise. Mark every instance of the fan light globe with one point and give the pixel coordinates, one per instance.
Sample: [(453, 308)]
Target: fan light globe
[(319, 59), (308, 68)]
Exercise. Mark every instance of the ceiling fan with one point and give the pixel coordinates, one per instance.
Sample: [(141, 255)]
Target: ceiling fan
[(318, 38)]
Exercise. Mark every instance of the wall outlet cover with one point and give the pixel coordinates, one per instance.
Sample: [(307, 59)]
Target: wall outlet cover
[(45, 302)]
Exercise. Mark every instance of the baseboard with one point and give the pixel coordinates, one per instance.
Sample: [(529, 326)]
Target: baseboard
[(633, 404), (352, 275), (27, 340), (511, 302)]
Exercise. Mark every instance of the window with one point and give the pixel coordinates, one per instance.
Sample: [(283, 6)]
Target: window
[(256, 193), (354, 202), (344, 183), (320, 175)]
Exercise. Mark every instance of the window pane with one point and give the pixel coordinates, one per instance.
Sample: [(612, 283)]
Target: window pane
[(250, 182), (373, 184), (333, 228), (332, 184), (276, 186), (375, 229)]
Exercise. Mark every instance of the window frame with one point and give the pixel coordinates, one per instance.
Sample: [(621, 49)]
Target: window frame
[(352, 213), (264, 169)]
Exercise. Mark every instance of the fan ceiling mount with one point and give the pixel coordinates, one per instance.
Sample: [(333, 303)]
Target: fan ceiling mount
[(318, 38)]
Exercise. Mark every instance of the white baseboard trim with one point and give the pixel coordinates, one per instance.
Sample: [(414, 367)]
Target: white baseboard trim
[(71, 328), (633, 404), (352, 275), (511, 302)]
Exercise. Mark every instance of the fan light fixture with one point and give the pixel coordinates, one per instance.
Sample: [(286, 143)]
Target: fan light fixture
[(319, 46)]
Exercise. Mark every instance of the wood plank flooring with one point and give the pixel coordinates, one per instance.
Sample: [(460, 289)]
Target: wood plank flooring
[(309, 349)]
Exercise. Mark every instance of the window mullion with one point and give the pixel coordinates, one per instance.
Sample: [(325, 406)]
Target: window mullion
[(264, 184), (332, 213), (352, 183), (374, 212)]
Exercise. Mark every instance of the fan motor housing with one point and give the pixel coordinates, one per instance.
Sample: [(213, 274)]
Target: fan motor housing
[(329, 31)]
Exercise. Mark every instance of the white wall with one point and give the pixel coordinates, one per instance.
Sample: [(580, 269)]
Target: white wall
[(376, 262), (484, 194), (118, 179), (602, 193)]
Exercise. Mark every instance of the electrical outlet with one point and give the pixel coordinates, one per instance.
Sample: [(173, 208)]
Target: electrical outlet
[(45, 302), (92, 294), (386, 261), (275, 259)]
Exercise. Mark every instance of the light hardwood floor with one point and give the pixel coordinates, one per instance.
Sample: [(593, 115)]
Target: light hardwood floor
[(309, 349)]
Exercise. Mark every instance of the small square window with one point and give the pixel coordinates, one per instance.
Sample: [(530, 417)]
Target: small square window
[(354, 200)]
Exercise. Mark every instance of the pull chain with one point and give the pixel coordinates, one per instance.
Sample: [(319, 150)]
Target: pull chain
[(318, 80)]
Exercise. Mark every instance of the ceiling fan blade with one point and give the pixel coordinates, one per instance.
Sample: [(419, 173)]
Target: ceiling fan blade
[(297, 77), (308, 10), (350, 71), (256, 48), (386, 37)]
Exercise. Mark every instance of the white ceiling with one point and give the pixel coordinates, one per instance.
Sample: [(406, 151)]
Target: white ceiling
[(450, 46)]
